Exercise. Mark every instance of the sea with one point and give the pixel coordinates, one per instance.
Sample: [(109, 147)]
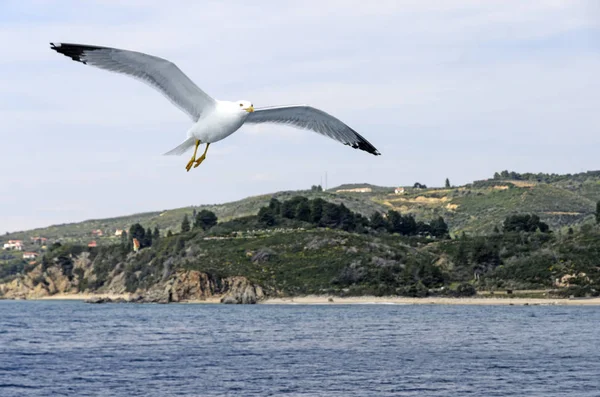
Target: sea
[(70, 348)]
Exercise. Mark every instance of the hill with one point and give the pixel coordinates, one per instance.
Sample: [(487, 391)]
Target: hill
[(301, 246), (561, 201)]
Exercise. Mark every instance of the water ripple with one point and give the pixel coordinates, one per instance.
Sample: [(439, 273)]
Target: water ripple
[(70, 348)]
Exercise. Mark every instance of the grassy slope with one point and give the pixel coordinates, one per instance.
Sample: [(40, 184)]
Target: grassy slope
[(569, 201)]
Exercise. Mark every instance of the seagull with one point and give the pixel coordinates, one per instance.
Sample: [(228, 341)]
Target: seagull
[(213, 119)]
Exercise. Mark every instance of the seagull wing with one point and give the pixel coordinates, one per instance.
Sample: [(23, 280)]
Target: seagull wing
[(159, 73), (307, 117)]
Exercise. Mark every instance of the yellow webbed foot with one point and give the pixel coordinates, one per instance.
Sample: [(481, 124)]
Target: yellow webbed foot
[(188, 167), (201, 159)]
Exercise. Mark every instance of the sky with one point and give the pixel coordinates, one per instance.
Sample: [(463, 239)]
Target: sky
[(442, 89)]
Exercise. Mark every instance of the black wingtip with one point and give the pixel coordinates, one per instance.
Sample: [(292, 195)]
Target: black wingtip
[(365, 145), (73, 51)]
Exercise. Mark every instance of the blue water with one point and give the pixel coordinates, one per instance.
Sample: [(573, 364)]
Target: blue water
[(63, 348)]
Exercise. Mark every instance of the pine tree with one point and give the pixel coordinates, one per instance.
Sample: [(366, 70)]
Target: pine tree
[(316, 210), (185, 224), (439, 228), (148, 238), (447, 183), (169, 233), (124, 240), (377, 221), (303, 211), (598, 212)]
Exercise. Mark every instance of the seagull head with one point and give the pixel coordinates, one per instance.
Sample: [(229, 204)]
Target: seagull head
[(245, 106)]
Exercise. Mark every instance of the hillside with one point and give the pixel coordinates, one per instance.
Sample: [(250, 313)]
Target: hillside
[(559, 200), (342, 253)]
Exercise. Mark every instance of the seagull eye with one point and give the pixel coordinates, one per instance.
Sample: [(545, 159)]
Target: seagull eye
[(241, 104)]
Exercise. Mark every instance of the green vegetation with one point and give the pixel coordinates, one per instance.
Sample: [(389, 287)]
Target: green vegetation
[(561, 201), (514, 231), (185, 224), (204, 220)]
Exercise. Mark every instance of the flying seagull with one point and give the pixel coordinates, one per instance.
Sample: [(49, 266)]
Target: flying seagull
[(213, 119)]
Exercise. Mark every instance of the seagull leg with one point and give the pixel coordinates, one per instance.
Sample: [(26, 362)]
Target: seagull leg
[(201, 158), (191, 162)]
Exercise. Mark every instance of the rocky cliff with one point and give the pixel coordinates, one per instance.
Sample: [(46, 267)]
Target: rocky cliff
[(181, 286)]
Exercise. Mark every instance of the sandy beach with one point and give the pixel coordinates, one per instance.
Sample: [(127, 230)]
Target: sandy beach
[(394, 300), (366, 300)]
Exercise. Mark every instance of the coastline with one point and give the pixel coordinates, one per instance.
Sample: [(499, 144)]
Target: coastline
[(366, 300), (397, 300)]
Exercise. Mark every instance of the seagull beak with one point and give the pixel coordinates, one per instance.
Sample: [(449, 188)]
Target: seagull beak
[(249, 109)]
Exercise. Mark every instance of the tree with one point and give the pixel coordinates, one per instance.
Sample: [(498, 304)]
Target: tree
[(124, 240), (418, 185), (185, 224), (316, 210), (266, 216), (205, 219), (439, 228), (155, 234), (524, 223), (331, 215), (289, 207), (598, 212), (377, 221), (316, 188), (303, 211), (409, 225), (347, 220), (447, 184), (136, 231), (147, 238), (394, 221), (275, 206), (169, 233)]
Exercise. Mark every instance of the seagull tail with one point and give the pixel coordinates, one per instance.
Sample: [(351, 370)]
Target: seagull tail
[(182, 148)]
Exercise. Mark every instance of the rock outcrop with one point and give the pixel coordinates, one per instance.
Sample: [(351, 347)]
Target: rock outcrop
[(181, 286), (240, 290), (192, 285)]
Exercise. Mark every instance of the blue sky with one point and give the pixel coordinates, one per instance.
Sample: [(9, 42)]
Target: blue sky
[(455, 89)]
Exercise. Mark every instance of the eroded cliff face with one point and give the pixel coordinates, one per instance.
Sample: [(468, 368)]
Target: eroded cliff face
[(180, 286), (197, 286)]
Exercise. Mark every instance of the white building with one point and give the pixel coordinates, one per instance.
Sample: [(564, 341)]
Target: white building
[(16, 245), (355, 190), (29, 255), (399, 190)]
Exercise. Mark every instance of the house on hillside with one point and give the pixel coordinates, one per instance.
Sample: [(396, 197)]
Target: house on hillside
[(30, 255), (16, 245), (399, 190), (39, 240), (118, 232), (97, 233), (355, 190), (92, 244)]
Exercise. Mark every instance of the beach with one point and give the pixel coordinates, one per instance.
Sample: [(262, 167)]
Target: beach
[(365, 300)]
